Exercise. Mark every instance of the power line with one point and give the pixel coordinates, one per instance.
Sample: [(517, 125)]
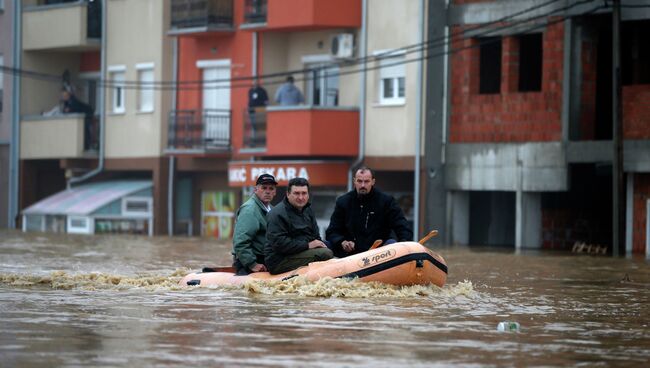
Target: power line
[(196, 85)]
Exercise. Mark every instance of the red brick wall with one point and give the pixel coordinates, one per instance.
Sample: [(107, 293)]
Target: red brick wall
[(510, 116), (641, 196), (636, 111)]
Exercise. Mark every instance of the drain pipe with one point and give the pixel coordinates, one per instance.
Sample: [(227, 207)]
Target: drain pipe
[(102, 107), (172, 158), (14, 151), (362, 105), (418, 129)]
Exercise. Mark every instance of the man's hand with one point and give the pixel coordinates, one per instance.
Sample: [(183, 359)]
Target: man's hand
[(347, 245), (258, 268), (316, 244)]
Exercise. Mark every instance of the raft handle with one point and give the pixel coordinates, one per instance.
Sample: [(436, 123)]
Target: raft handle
[(419, 263), (194, 282)]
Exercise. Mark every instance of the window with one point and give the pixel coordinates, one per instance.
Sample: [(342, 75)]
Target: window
[(117, 78), (490, 65), (392, 80), (79, 225), (136, 206), (145, 87), (530, 62)]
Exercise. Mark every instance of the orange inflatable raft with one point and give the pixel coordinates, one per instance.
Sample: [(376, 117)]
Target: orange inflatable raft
[(402, 264)]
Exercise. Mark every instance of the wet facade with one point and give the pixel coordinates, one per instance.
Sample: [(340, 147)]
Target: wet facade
[(528, 138)]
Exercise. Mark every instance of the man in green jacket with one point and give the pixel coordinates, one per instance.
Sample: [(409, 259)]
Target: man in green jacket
[(292, 236), (250, 228)]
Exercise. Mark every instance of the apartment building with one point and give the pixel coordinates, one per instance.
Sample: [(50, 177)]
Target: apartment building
[(528, 138), (98, 169), (221, 144), (6, 81)]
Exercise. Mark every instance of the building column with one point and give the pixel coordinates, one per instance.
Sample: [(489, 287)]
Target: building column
[(528, 220), (160, 178), (629, 214), (458, 217)]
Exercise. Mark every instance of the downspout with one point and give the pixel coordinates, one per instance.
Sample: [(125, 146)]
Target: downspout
[(14, 152), (362, 97), (102, 106), (172, 158), (418, 128)]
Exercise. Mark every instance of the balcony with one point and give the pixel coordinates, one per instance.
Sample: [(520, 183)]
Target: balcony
[(58, 136), (200, 16), (63, 25), (199, 131), (314, 132), (302, 14)]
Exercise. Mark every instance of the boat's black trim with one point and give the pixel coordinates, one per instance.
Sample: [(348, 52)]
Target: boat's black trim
[(194, 282), (418, 257)]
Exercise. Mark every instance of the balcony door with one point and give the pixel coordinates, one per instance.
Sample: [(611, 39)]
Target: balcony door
[(216, 99), (322, 80)]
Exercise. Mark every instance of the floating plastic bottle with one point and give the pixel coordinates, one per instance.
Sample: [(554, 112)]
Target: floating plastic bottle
[(508, 326)]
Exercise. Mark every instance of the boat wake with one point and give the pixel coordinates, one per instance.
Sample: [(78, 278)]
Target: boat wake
[(300, 286)]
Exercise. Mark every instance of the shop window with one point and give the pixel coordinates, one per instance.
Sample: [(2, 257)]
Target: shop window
[(490, 65), (530, 62), (79, 225)]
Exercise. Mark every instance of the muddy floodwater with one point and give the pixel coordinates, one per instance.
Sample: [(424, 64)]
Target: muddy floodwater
[(113, 301)]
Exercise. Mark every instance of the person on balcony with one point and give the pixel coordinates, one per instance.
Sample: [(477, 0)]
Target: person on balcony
[(292, 236), (250, 228), (288, 94), (364, 215), (72, 105), (257, 99)]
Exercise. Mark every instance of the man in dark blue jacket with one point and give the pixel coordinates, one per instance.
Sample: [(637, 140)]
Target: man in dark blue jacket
[(292, 237), (364, 215)]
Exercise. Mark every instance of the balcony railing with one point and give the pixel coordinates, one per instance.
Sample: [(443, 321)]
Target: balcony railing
[(202, 13), (255, 128), (202, 130), (255, 11)]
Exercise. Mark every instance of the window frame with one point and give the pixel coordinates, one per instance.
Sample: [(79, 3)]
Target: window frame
[(87, 229), (118, 92), (137, 214), (146, 93), (394, 74)]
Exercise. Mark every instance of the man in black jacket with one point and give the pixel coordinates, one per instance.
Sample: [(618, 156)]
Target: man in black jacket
[(364, 215), (292, 237)]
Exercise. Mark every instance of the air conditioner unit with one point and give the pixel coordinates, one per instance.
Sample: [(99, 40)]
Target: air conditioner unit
[(343, 45)]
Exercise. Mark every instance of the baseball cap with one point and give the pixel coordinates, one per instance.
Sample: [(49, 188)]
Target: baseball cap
[(266, 179)]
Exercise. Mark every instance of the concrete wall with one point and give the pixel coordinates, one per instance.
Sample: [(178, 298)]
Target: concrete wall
[(63, 26), (56, 137), (136, 34), (390, 129)]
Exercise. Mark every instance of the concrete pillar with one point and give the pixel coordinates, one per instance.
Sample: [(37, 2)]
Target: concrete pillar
[(458, 217), (160, 178), (629, 214), (528, 221)]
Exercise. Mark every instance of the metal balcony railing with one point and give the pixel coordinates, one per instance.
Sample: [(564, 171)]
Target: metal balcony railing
[(202, 13), (255, 11), (207, 129), (255, 127)]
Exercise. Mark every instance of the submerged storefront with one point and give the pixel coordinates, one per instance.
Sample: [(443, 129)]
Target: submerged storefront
[(110, 207)]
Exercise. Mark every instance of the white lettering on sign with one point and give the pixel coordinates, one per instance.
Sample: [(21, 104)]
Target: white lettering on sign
[(237, 175), (280, 173)]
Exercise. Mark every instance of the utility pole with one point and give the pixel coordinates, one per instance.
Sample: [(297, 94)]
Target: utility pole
[(618, 215)]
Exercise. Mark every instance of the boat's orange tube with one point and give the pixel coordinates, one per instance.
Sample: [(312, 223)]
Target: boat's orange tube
[(405, 263)]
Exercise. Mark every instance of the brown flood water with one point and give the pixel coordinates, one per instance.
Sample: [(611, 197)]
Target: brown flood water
[(113, 301)]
